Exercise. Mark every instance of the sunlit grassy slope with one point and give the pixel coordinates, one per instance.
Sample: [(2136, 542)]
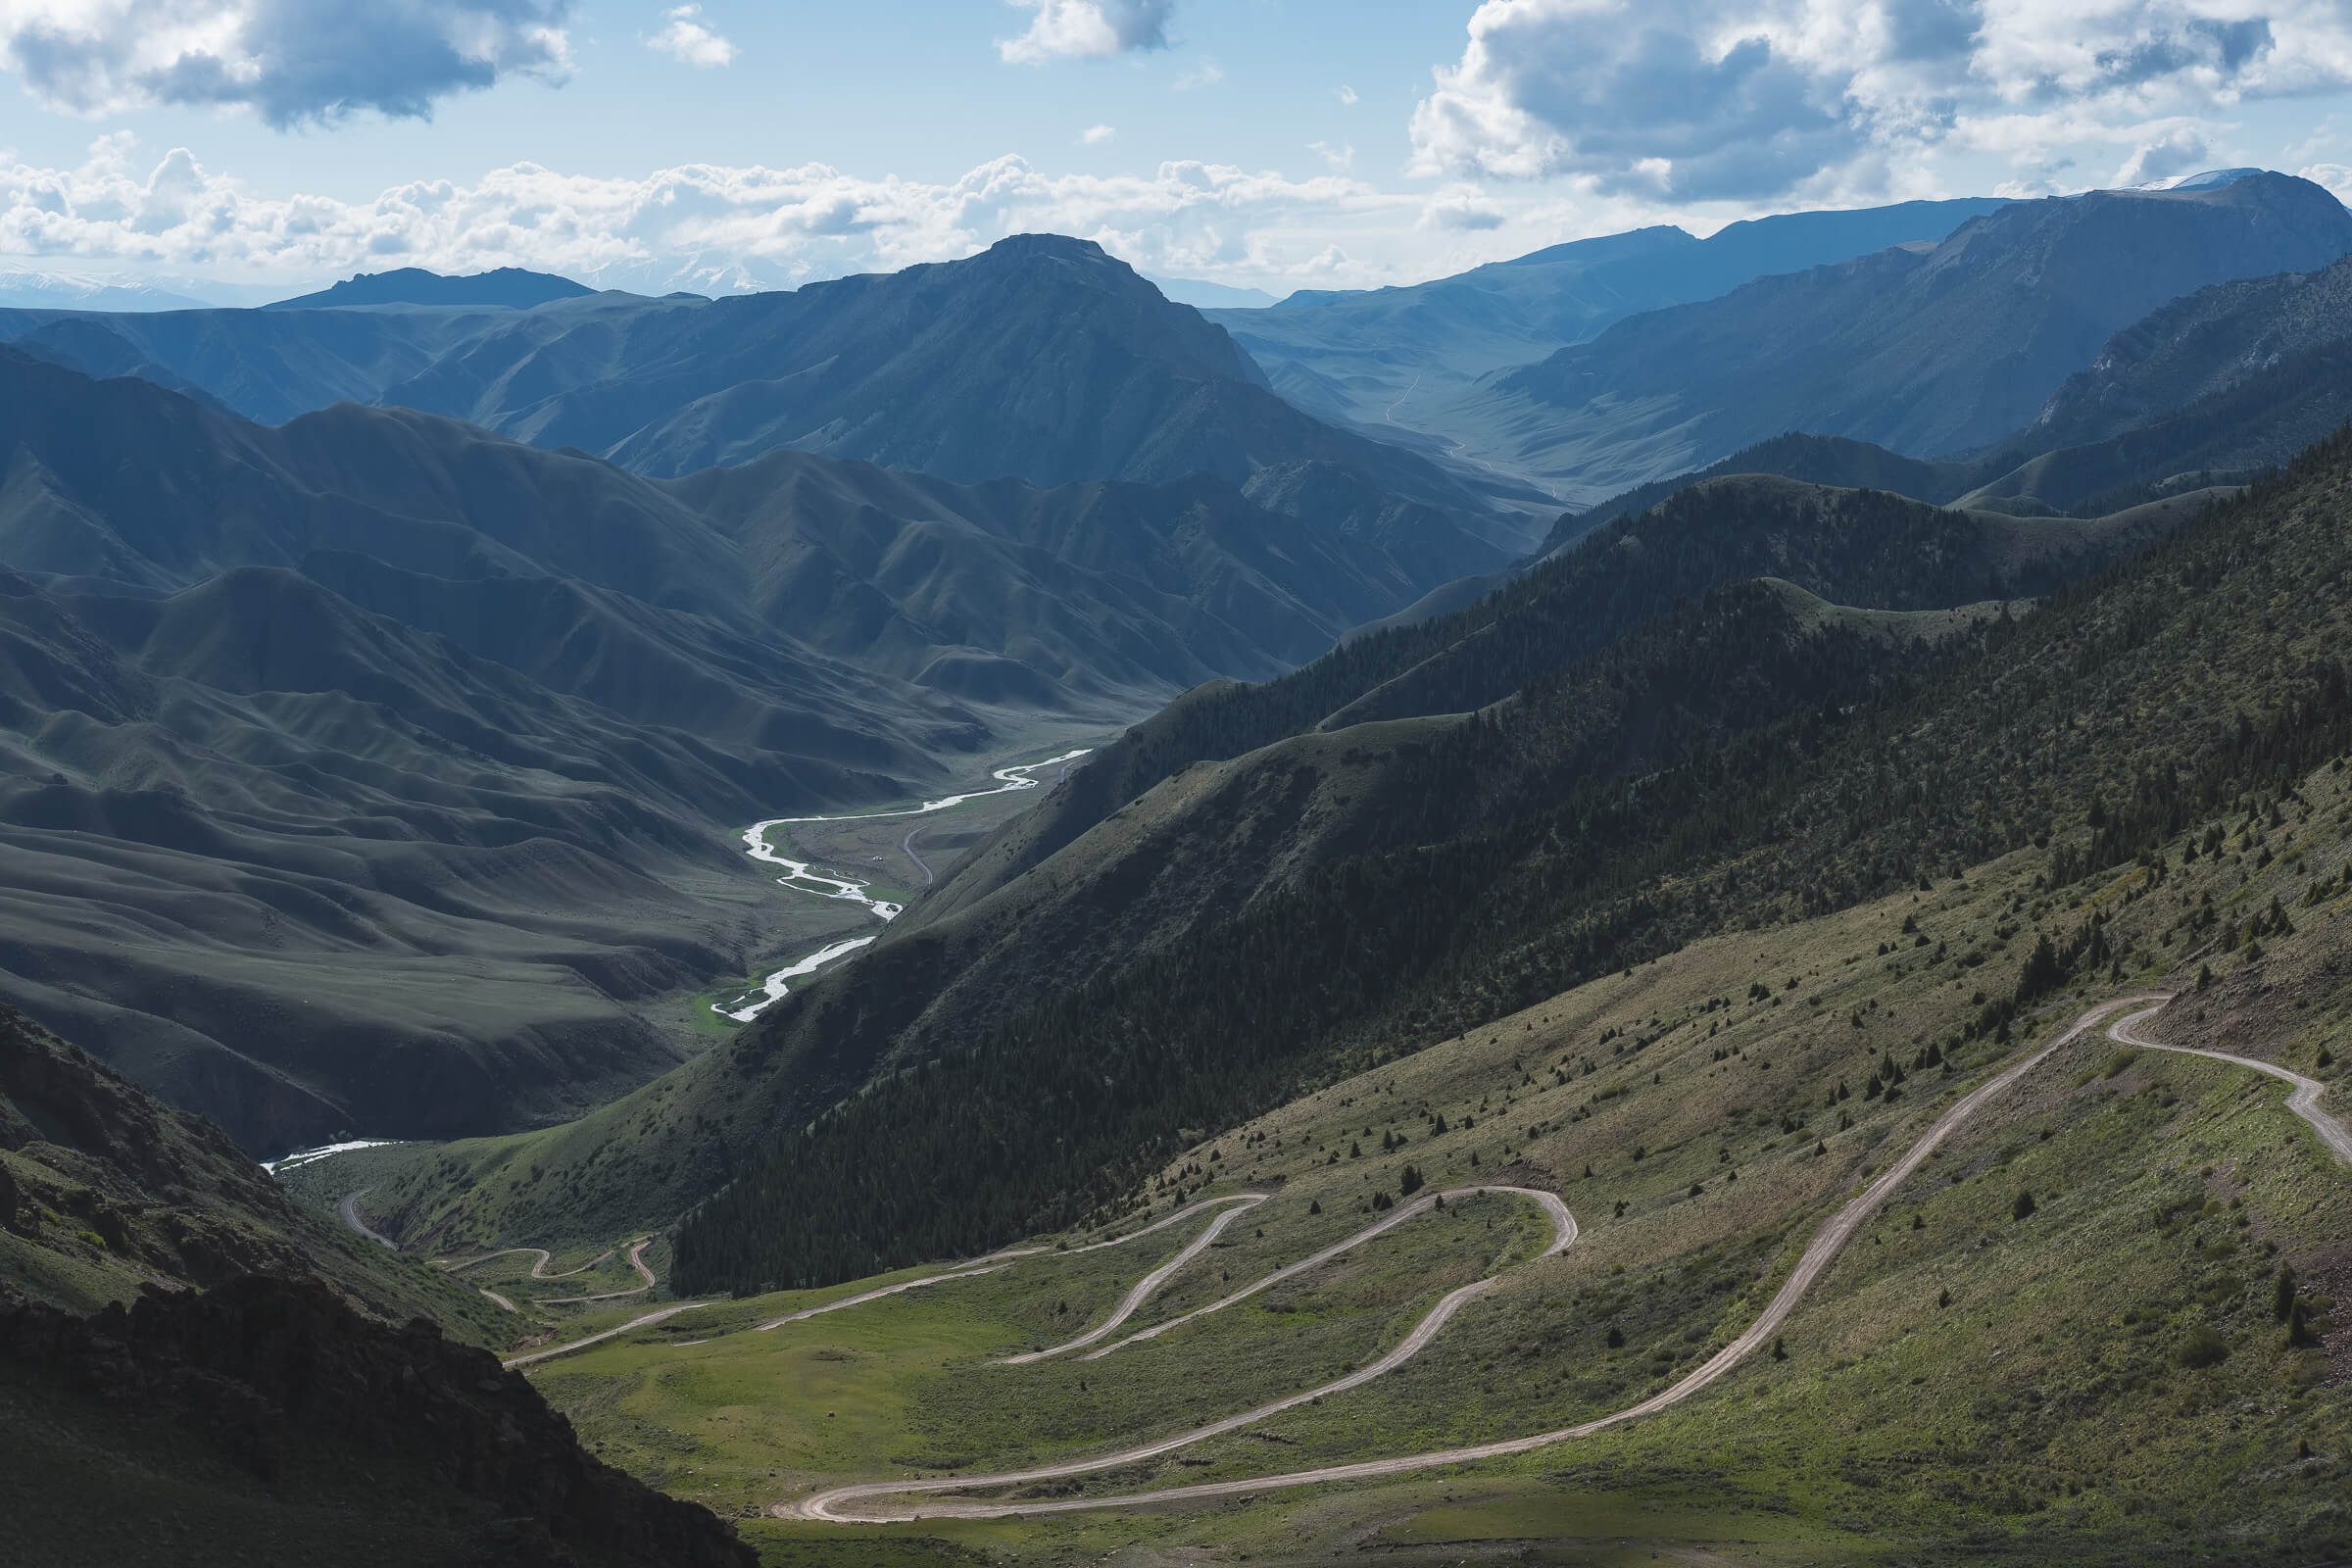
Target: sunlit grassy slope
[(2102, 1380)]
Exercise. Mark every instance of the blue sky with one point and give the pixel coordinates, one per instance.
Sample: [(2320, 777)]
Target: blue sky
[(1272, 143)]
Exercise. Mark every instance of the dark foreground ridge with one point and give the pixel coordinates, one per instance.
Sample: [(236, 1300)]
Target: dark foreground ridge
[(294, 1393)]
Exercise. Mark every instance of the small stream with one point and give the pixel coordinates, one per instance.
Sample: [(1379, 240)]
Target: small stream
[(804, 875)]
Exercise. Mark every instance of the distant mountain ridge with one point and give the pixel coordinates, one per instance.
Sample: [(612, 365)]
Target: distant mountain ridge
[(1928, 352), (514, 287), (1041, 359), (1395, 361), (416, 757)]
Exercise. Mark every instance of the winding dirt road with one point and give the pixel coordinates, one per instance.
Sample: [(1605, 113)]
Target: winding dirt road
[(1149, 1283), (839, 1504), (655, 1316), (636, 1261), (1563, 1232), (349, 1208), (826, 1504), (538, 1269), (2304, 1102), (907, 844)]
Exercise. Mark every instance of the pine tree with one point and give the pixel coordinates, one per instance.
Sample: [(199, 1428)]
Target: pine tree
[(2022, 1208)]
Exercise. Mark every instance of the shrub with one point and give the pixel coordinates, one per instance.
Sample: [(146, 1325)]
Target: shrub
[(2201, 1347), (2022, 1208)]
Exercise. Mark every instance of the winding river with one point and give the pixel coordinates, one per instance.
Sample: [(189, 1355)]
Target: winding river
[(801, 874)]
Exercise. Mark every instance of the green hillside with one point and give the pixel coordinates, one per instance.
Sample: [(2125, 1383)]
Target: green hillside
[(2098, 726)]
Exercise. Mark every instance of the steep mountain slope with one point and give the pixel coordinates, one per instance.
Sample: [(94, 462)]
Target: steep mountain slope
[(376, 773), (1389, 359), (1815, 459), (106, 1191), (1106, 870), (1925, 350), (1852, 547), (263, 1422), (2095, 729), (1041, 359), (2193, 348), (239, 1369)]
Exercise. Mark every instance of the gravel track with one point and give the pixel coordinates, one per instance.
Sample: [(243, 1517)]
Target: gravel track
[(841, 1504)]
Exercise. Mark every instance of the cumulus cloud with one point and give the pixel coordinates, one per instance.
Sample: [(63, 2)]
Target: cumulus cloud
[(1096, 136), (1087, 30), (2172, 149), (1346, 95), (1694, 100), (1461, 207), (290, 61), (2334, 177), (704, 226), (686, 38)]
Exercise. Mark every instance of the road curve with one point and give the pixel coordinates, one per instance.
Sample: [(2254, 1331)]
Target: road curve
[(636, 1261), (655, 1316), (1563, 1226), (349, 1208), (997, 1260), (1826, 1245), (907, 844), (826, 1505), (2304, 1102), (538, 1269), (1149, 1283)]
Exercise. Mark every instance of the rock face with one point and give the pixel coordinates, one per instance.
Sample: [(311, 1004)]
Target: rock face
[(268, 1373)]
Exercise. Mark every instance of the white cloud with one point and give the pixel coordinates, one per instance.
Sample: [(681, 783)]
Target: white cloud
[(1203, 72), (1087, 30), (1748, 99), (1462, 206), (1346, 95), (289, 61), (686, 38), (2334, 177), (2180, 149), (1096, 136), (1341, 158), (706, 227)]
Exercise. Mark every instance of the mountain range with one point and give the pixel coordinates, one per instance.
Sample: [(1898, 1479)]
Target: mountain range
[(376, 689), (1930, 350), (387, 680), (1041, 359)]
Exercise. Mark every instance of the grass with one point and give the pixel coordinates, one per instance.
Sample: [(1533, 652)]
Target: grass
[(1959, 1379)]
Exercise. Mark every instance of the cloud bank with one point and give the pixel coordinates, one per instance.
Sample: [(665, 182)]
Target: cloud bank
[(1699, 100), (702, 226), (292, 62)]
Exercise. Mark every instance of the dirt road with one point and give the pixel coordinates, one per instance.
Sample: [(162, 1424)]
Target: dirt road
[(1149, 1284), (349, 1208), (827, 1504), (538, 1269), (2304, 1102), (841, 1504)]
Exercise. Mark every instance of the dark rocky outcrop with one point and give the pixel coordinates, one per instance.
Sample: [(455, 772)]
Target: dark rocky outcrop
[(274, 1374)]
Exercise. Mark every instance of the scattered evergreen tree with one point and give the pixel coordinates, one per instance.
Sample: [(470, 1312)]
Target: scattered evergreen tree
[(2022, 1208)]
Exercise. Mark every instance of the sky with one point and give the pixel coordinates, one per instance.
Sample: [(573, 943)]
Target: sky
[(1273, 144)]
